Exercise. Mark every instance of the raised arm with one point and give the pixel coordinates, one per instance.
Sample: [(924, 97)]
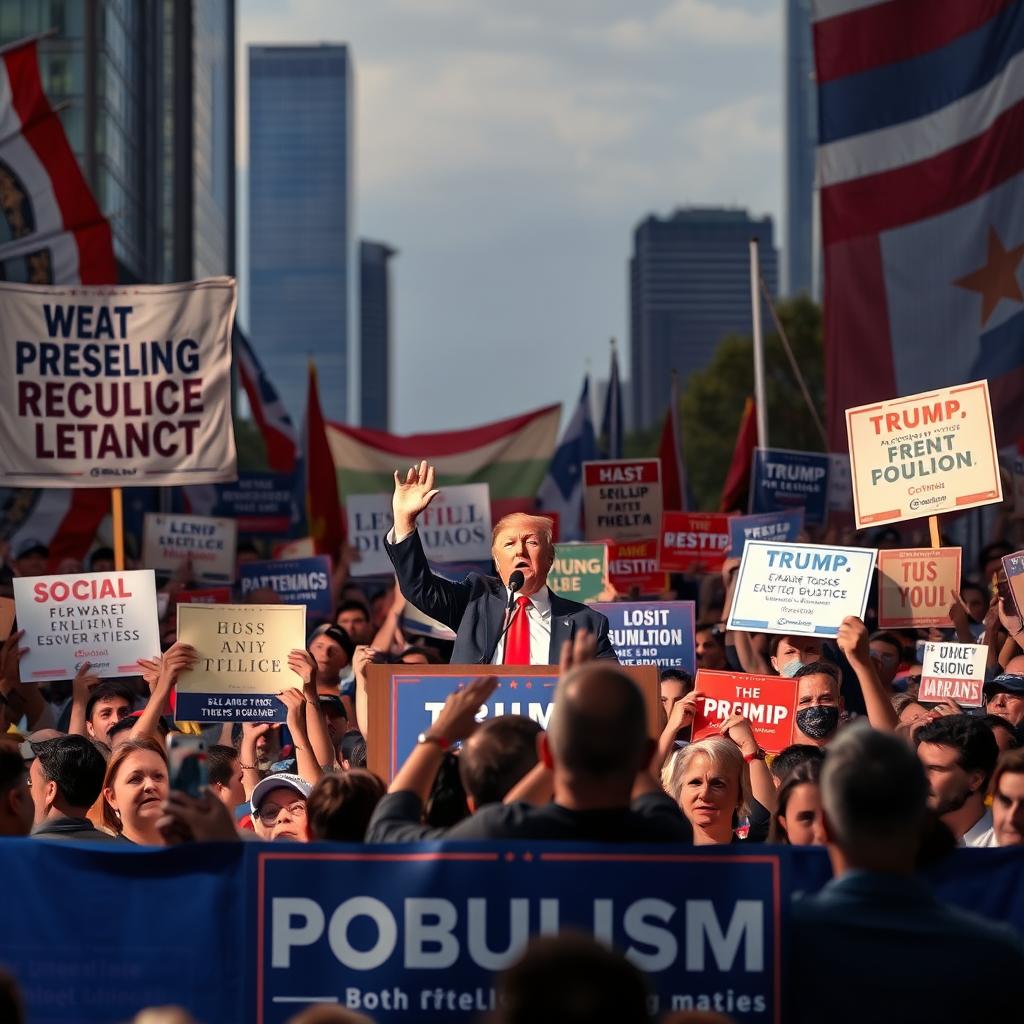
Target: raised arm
[(305, 760), (178, 658), (81, 686), (853, 642), (303, 664)]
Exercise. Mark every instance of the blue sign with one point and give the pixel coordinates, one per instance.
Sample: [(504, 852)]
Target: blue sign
[(652, 632), (774, 526), (782, 480), (263, 503), (416, 701), (296, 580)]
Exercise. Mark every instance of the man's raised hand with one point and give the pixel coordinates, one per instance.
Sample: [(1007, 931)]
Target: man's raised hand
[(412, 495)]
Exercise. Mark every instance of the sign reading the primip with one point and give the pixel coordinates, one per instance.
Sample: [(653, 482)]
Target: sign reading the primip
[(924, 454), (621, 499)]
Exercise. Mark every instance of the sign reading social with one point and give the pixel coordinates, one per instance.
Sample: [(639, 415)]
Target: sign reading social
[(782, 479), (800, 589), (652, 632)]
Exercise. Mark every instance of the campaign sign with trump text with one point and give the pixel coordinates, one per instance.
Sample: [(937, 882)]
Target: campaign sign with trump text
[(108, 619), (782, 479), (916, 587), (767, 702), (243, 661), (800, 589), (694, 541), (954, 672), (116, 385), (924, 454), (651, 632), (1013, 566), (209, 544), (621, 499)]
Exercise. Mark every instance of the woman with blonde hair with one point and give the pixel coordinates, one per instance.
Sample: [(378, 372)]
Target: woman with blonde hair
[(134, 789)]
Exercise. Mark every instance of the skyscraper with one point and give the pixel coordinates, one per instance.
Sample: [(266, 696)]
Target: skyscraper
[(799, 250), (301, 249), (375, 334), (689, 288), (149, 94)]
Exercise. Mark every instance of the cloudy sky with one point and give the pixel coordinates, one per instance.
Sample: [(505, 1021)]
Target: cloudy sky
[(508, 148)]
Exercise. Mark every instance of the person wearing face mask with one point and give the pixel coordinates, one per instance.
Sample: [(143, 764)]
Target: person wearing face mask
[(476, 609), (818, 703)]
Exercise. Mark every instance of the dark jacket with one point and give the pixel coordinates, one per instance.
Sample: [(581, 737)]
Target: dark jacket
[(62, 829), (475, 608)]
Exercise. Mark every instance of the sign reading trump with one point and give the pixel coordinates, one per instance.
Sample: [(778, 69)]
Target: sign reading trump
[(116, 386)]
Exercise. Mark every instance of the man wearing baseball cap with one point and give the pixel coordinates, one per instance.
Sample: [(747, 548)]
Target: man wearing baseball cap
[(1004, 695), (279, 807)]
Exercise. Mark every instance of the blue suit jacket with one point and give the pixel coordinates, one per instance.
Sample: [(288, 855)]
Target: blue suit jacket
[(475, 608)]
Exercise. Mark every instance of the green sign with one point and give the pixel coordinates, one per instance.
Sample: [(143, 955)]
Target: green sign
[(580, 572)]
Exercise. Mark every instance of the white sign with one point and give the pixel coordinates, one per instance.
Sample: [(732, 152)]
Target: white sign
[(116, 385), (800, 589), (455, 528), (954, 672), (209, 543), (108, 619)]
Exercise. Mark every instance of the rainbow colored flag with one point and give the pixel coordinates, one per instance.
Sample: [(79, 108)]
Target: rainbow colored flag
[(512, 456)]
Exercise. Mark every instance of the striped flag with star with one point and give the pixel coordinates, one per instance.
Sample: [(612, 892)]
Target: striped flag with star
[(921, 185)]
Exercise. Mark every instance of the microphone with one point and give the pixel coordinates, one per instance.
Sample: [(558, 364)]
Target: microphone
[(515, 583)]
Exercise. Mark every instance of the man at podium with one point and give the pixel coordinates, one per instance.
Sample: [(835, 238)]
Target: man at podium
[(514, 620)]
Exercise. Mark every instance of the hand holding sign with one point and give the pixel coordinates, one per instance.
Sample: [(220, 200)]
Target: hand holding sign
[(853, 641), (412, 496), (740, 731), (1012, 622), (303, 664)]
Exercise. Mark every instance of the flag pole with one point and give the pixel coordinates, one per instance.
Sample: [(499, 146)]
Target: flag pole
[(755, 315), (117, 512)]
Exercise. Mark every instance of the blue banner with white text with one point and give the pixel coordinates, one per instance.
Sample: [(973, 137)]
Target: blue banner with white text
[(782, 480)]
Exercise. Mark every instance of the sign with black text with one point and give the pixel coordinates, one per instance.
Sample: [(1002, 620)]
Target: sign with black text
[(208, 544), (621, 499)]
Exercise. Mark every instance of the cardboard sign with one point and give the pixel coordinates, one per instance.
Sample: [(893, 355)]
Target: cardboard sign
[(782, 527), (6, 617), (243, 661), (305, 581), (652, 632), (767, 702), (210, 544), (840, 486), (580, 572), (116, 385), (800, 589), (621, 499), (261, 503), (954, 671), (455, 528), (781, 480), (924, 454), (916, 587), (634, 563), (694, 541), (1013, 566), (108, 619)]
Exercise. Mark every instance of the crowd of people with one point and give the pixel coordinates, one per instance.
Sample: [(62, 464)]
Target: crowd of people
[(886, 782)]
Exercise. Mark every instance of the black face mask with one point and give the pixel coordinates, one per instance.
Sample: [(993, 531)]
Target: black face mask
[(818, 722)]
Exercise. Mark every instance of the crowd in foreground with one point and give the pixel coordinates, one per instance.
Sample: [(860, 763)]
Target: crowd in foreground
[(888, 784)]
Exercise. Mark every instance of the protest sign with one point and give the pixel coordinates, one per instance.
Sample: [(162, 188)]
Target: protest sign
[(767, 702), (108, 619), (261, 503), (775, 526), (209, 544), (954, 672), (800, 589), (651, 632), (634, 563), (1013, 566), (840, 488), (243, 661), (694, 541), (205, 595), (6, 617), (916, 587), (621, 499), (455, 528), (781, 479), (305, 581), (924, 454), (580, 572), (115, 386)]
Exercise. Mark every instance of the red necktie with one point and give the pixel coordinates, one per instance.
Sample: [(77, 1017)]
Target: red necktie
[(517, 645)]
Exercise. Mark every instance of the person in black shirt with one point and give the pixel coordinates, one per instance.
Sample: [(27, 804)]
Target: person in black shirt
[(595, 762)]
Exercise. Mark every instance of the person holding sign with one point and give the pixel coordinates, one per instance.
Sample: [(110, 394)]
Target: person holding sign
[(513, 620)]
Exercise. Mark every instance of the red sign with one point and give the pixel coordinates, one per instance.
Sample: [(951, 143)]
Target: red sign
[(694, 541), (634, 563), (767, 702), (211, 595)]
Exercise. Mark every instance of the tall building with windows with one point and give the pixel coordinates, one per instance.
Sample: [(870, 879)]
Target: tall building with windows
[(302, 260), (147, 89), (375, 323), (689, 288), (800, 246)]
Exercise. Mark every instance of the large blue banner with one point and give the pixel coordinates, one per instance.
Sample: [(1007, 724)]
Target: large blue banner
[(245, 932), (651, 632), (782, 480)]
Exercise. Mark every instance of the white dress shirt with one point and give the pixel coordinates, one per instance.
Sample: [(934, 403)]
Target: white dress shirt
[(538, 614), (982, 834)]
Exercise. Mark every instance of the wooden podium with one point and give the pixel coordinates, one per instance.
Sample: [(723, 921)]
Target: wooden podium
[(402, 701)]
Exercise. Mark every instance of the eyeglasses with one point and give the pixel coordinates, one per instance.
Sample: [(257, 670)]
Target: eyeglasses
[(269, 814)]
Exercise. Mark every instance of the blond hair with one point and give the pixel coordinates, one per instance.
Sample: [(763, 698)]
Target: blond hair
[(542, 525), (721, 753)]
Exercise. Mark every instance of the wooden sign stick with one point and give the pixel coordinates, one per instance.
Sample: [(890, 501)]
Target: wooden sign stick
[(933, 529)]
